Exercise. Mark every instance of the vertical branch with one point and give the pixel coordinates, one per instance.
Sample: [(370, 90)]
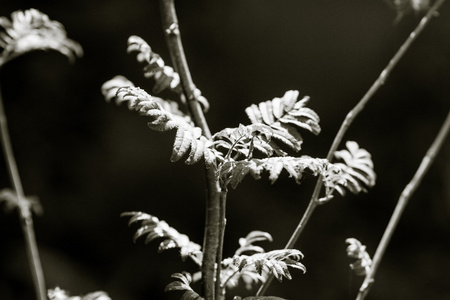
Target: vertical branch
[(212, 235), (222, 222), (349, 120), (173, 40), (26, 220), (401, 204)]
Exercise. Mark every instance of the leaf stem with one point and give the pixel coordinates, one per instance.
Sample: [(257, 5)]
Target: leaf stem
[(212, 223), (314, 202), (26, 219), (406, 194)]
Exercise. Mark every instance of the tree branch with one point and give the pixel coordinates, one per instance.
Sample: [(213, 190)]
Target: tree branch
[(401, 204), (26, 219), (192, 94)]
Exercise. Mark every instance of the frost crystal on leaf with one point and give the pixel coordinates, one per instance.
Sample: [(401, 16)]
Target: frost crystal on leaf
[(33, 30)]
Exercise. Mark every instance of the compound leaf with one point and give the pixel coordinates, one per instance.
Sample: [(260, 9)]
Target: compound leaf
[(356, 169), (165, 115), (152, 228), (233, 172), (276, 261), (285, 115)]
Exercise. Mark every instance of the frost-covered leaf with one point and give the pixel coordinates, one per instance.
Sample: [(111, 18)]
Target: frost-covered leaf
[(357, 168), (31, 30), (357, 251), (285, 116), (183, 282), (152, 228)]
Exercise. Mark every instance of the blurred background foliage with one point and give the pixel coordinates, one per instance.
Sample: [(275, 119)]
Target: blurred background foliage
[(88, 161)]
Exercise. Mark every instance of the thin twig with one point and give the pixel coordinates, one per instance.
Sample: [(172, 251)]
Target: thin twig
[(401, 204), (26, 219), (314, 202), (212, 235)]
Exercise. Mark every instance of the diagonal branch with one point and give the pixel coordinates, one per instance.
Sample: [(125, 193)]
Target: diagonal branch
[(314, 202), (401, 204)]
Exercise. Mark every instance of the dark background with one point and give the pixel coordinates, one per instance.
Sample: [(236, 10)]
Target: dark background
[(88, 161)]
